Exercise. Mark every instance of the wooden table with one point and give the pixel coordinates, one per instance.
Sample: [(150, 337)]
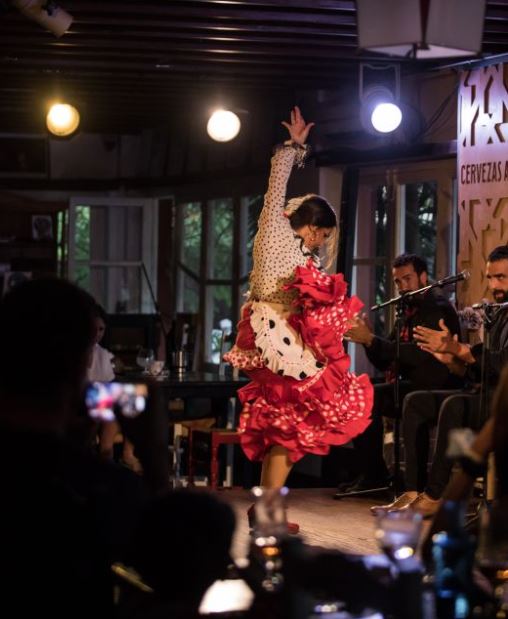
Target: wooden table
[(152, 432)]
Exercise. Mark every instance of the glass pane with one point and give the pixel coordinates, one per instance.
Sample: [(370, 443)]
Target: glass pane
[(382, 250), (192, 222), (189, 291), (82, 276), (117, 289), (220, 241), (219, 318), (420, 221), (371, 272), (251, 209), (125, 230), (82, 233)]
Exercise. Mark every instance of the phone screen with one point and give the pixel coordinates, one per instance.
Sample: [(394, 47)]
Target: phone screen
[(105, 400)]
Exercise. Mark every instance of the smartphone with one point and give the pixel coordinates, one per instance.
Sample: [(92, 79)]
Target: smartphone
[(104, 401)]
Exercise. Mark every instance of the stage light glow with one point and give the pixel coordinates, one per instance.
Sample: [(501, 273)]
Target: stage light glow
[(62, 119), (223, 126), (386, 117)]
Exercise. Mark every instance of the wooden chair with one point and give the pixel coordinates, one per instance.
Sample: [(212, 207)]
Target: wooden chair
[(216, 437)]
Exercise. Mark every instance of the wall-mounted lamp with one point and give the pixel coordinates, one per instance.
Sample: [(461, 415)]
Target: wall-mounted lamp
[(46, 13), (223, 126), (62, 119), (379, 102)]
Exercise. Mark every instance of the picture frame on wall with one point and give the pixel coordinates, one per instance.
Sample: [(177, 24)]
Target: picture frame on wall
[(42, 227)]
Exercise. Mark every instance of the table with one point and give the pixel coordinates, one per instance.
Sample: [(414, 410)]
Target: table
[(151, 432), (197, 385)]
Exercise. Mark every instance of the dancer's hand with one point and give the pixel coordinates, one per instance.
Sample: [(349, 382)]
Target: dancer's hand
[(298, 128), (359, 331)]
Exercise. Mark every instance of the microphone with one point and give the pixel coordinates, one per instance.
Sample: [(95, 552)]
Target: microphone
[(453, 279), (486, 304)]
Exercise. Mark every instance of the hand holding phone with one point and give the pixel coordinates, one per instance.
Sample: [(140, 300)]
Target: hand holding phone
[(104, 401)]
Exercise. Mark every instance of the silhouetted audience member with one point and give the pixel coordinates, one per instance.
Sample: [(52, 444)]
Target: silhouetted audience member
[(180, 548), (65, 515), (492, 438)]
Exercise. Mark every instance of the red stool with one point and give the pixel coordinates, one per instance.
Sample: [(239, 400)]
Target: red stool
[(218, 437)]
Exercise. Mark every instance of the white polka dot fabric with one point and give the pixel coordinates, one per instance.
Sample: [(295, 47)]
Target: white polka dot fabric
[(277, 250)]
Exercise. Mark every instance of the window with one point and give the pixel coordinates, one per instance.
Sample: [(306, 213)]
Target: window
[(213, 260), (418, 222), (112, 251), (400, 210)]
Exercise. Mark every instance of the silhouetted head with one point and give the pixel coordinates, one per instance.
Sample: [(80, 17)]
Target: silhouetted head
[(100, 321), (47, 331), (182, 545)]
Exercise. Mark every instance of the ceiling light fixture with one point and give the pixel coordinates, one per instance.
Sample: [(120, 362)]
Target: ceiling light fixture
[(62, 119), (380, 111), (223, 126)]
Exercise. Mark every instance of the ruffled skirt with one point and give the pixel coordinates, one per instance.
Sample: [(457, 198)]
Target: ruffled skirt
[(302, 395)]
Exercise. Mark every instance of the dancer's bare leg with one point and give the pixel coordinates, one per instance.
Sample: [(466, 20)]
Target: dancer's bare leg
[(276, 467), (275, 471)]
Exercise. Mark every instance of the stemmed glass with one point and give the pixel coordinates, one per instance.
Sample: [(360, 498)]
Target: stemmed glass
[(144, 358), (270, 527)]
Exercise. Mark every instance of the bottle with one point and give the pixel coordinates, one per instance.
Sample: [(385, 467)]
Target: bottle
[(171, 344), (453, 554)]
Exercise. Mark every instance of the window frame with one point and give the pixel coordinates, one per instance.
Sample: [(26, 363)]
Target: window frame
[(149, 242)]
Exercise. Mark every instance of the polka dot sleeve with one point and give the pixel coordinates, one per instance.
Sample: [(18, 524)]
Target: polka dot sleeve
[(277, 251), (275, 197)]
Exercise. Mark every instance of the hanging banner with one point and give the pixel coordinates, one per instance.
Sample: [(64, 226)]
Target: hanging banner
[(482, 173)]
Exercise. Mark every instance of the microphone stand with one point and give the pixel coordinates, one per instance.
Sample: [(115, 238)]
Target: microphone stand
[(401, 303), (491, 312), (154, 301)]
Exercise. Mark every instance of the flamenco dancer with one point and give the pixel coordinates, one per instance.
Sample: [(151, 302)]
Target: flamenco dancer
[(302, 398)]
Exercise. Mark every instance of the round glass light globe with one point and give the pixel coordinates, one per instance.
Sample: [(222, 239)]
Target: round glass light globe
[(223, 126), (62, 119), (386, 117)]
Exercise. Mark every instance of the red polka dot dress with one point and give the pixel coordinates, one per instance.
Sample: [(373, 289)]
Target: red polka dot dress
[(302, 395)]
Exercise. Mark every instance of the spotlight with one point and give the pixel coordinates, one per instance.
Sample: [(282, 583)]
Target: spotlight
[(223, 126), (46, 13), (62, 119), (386, 117), (379, 111)]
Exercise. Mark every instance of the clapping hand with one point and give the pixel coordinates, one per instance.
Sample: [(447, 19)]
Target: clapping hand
[(359, 331), (297, 127), (435, 341)]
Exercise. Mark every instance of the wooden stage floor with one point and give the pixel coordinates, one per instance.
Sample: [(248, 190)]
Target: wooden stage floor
[(344, 525)]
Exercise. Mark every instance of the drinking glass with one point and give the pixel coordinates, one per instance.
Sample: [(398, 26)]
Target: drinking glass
[(398, 532), (144, 358), (270, 527)]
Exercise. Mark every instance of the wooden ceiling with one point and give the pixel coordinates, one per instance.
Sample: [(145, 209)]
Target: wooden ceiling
[(132, 62)]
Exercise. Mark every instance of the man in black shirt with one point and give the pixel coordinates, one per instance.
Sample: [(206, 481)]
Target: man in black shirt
[(418, 369), (420, 408)]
